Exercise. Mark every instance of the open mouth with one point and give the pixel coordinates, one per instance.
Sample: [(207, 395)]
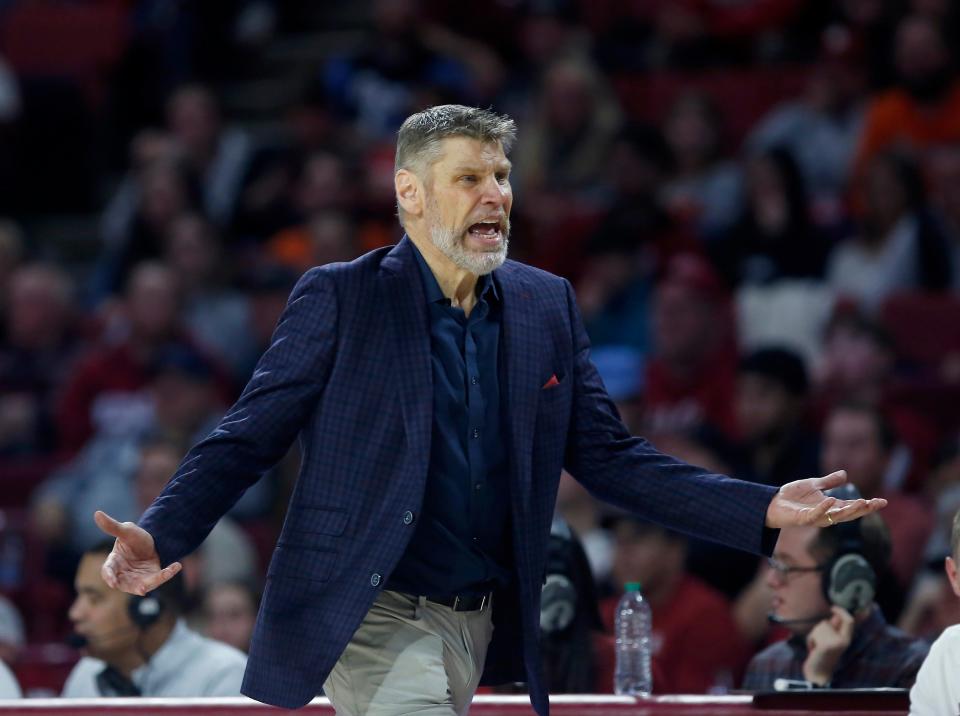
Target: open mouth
[(486, 231)]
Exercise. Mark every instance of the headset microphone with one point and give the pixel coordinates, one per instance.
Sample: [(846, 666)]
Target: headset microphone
[(80, 641)]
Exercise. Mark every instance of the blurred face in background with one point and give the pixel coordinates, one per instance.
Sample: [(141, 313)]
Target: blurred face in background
[(764, 407), (646, 554), (230, 614), (852, 442), (152, 303), (921, 58), (684, 323), (158, 463), (192, 249), (194, 120), (38, 305)]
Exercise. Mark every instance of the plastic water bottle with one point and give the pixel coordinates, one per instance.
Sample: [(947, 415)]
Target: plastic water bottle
[(632, 631)]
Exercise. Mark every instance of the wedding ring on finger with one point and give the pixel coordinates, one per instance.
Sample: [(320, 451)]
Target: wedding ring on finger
[(830, 519)]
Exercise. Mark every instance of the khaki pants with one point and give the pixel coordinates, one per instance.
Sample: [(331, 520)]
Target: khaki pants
[(410, 657)]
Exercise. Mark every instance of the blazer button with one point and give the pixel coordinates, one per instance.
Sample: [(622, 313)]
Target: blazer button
[(407, 517), (374, 579)]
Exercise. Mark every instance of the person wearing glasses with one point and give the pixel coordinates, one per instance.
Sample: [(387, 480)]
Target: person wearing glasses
[(823, 583)]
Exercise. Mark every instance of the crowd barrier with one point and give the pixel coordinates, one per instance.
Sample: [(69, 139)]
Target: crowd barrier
[(792, 704)]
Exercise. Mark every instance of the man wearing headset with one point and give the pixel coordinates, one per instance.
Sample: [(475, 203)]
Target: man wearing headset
[(139, 646), (823, 583)]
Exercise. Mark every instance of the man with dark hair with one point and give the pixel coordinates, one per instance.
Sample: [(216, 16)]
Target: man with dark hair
[(862, 440), (771, 398), (438, 390), (140, 646), (937, 689), (823, 584)]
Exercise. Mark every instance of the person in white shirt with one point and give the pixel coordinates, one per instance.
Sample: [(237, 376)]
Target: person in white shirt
[(936, 692), (9, 688), (140, 646)]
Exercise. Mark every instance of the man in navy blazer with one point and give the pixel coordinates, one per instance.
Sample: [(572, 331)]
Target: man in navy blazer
[(437, 390)]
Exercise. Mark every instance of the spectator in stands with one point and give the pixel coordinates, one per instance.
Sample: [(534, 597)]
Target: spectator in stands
[(230, 612), (860, 438), (897, 247), (774, 237), (567, 152), (218, 155), (400, 56), (217, 315), (327, 237), (634, 239), (36, 350), (696, 644), (181, 403), (690, 376), (140, 646), (227, 555), (937, 689), (821, 128), (12, 634), (105, 393), (143, 215), (704, 189), (923, 110), (771, 403), (842, 641)]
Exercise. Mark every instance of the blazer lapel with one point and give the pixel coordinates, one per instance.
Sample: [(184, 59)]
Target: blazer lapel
[(405, 306), (519, 351)]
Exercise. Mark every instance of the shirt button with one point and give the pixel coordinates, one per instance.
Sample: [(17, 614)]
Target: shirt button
[(374, 579), (476, 433), (407, 517), (478, 487), (474, 380)]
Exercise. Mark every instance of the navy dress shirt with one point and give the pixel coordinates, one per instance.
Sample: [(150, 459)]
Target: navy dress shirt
[(461, 542)]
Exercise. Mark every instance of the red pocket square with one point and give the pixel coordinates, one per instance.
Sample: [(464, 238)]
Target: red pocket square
[(552, 382)]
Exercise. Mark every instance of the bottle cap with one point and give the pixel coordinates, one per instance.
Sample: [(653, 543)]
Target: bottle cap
[(633, 586)]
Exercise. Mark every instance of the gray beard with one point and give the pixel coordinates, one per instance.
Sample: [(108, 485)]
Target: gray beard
[(450, 244)]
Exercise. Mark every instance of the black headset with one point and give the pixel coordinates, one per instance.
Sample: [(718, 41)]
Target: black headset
[(145, 611), (849, 581)]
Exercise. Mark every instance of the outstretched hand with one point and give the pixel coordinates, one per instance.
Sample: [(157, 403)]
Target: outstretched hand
[(803, 503), (133, 566)]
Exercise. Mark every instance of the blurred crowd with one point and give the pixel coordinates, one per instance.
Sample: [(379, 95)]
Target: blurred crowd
[(758, 203)]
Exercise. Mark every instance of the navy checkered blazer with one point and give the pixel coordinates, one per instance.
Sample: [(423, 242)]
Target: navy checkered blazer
[(348, 371)]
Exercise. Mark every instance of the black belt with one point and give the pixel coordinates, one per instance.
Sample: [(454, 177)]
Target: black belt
[(464, 602)]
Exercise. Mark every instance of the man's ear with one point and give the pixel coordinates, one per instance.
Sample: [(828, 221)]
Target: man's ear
[(409, 192), (950, 566)]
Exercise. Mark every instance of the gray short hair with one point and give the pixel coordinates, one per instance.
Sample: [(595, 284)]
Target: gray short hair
[(418, 141)]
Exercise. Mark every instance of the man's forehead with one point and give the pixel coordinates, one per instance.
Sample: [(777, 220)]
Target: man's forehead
[(456, 151)]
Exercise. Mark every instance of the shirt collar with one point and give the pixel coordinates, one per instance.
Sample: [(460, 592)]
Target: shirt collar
[(166, 659), (486, 286)]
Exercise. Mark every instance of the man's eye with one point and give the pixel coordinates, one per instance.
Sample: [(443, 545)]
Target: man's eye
[(469, 178), (502, 178)]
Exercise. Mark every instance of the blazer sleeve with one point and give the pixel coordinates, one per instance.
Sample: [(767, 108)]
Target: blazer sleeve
[(630, 473), (258, 429)]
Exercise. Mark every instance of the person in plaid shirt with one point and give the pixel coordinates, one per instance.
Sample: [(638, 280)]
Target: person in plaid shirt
[(830, 647)]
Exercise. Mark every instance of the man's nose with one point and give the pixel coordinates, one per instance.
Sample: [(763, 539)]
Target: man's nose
[(495, 193)]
